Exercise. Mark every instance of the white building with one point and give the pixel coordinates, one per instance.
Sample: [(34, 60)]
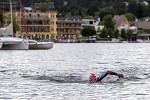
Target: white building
[(93, 22)]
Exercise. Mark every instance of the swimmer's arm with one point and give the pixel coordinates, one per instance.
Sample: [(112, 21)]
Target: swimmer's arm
[(109, 73)]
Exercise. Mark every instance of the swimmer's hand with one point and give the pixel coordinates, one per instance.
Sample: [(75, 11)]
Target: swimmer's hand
[(120, 75)]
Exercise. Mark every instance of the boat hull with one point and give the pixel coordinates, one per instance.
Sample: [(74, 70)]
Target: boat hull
[(41, 45), (14, 43)]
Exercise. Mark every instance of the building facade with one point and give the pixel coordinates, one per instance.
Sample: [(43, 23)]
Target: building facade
[(94, 22), (69, 28), (39, 25), (6, 5), (121, 22)]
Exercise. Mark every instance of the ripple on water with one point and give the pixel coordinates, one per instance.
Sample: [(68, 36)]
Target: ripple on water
[(62, 72)]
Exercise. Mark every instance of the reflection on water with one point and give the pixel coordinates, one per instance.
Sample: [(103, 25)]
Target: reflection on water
[(62, 72)]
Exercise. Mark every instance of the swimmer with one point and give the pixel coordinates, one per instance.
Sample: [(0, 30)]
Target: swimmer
[(94, 79)]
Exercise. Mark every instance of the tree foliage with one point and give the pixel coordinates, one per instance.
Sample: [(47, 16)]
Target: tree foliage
[(130, 17), (103, 33), (88, 31), (106, 11), (108, 22), (95, 7), (110, 33), (116, 34), (129, 35), (123, 34), (44, 7)]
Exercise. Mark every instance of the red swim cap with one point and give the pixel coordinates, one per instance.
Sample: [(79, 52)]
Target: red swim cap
[(92, 76)]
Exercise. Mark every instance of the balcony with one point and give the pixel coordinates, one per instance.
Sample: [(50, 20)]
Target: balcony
[(37, 25), (69, 26), (69, 33), (36, 18)]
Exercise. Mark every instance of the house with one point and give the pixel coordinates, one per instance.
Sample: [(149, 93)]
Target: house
[(4, 5), (145, 19), (121, 22), (50, 6), (144, 37), (93, 22), (142, 25), (69, 27)]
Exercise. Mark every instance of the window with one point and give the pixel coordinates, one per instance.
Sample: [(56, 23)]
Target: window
[(52, 29), (91, 22)]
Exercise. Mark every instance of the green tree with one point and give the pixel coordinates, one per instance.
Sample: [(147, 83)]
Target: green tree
[(129, 35), (91, 10), (141, 31), (132, 6), (108, 22), (87, 17), (110, 33), (88, 31), (116, 34), (15, 25), (147, 12), (139, 10), (106, 11), (123, 34), (121, 8), (103, 33), (130, 17), (44, 7)]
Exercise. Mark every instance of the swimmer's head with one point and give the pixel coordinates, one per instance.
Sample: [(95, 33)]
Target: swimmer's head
[(92, 78)]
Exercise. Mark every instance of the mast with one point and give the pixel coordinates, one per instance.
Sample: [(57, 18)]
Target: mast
[(23, 19), (11, 13)]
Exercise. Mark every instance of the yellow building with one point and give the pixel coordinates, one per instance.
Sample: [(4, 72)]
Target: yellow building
[(69, 28), (40, 25)]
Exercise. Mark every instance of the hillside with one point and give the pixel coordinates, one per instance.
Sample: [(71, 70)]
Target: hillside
[(100, 8)]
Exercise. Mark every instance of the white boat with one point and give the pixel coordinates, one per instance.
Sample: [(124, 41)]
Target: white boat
[(11, 43), (33, 44)]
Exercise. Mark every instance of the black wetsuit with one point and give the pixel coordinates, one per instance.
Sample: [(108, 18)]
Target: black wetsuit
[(105, 74)]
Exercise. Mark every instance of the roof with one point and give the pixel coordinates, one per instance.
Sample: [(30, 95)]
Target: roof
[(70, 19), (143, 25), (74, 18), (118, 19)]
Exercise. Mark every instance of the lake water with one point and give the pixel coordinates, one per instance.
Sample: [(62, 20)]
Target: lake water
[(62, 72)]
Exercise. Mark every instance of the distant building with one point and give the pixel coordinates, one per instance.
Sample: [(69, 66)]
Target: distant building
[(39, 25), (142, 25), (69, 28), (50, 8), (93, 22), (121, 22), (145, 19), (5, 5)]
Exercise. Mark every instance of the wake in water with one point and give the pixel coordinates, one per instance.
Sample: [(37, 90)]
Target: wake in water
[(80, 79), (130, 74), (59, 78)]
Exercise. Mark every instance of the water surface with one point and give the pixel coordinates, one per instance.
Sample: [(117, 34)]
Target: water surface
[(62, 72)]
